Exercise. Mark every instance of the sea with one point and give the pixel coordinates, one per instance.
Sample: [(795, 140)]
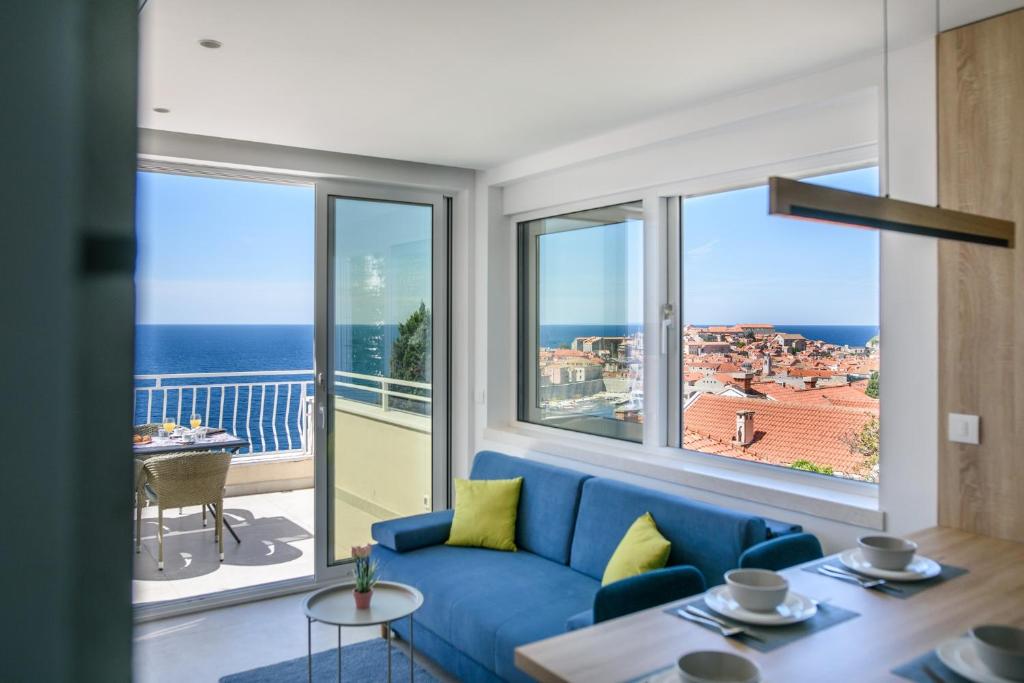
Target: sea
[(266, 349), (553, 336)]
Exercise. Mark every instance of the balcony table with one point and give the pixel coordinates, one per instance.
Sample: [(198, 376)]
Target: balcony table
[(889, 632), (161, 445), (222, 441)]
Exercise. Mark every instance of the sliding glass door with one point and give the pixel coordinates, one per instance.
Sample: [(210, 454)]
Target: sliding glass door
[(381, 351)]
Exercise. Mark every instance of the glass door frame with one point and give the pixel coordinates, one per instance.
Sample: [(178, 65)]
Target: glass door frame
[(323, 340)]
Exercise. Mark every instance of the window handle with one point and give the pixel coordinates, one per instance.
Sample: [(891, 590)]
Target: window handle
[(666, 325)]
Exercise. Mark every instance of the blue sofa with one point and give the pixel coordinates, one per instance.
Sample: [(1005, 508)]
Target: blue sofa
[(481, 604)]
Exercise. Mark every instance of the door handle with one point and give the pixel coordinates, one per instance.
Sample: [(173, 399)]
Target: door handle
[(323, 417), (666, 325)]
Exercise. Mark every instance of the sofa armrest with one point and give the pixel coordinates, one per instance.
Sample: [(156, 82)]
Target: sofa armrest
[(646, 590), (409, 533), (776, 529), (780, 553)]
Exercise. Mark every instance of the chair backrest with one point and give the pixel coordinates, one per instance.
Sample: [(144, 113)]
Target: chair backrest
[(192, 478), (548, 501), (705, 536)]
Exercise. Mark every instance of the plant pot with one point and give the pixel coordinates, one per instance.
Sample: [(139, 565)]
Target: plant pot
[(362, 599)]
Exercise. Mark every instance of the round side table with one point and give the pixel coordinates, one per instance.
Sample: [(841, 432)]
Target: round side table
[(336, 606)]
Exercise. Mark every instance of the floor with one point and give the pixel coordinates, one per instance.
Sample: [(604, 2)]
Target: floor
[(208, 645), (276, 530)]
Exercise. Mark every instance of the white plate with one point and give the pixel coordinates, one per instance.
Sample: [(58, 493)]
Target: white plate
[(794, 609), (960, 656), (919, 569)]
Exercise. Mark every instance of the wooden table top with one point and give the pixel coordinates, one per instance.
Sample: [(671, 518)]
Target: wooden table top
[(890, 631)]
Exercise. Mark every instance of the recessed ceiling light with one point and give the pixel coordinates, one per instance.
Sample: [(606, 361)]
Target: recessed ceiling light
[(161, 110), (210, 43)]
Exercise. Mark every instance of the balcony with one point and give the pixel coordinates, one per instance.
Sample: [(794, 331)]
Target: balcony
[(382, 470)]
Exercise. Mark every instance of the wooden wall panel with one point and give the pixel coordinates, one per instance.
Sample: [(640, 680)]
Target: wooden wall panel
[(981, 289)]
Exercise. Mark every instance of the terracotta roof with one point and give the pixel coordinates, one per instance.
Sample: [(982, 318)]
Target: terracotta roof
[(846, 395), (783, 432), (808, 372)]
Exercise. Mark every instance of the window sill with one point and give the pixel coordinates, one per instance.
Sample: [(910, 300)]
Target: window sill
[(845, 501)]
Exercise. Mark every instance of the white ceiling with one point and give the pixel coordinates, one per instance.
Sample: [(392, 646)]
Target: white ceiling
[(470, 83)]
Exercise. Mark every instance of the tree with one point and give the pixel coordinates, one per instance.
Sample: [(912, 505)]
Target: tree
[(809, 466), (872, 389), (411, 356), (865, 444)]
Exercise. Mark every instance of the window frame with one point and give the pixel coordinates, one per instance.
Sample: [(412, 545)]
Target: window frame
[(660, 455), (676, 400), (527, 329)]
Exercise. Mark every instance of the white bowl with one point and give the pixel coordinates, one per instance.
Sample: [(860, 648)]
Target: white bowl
[(711, 666), (757, 590), (887, 552), (1001, 649)]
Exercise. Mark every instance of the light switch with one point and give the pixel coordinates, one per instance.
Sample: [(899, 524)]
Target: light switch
[(964, 428)]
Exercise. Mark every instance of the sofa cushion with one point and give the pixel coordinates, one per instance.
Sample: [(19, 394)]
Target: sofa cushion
[(418, 531), (485, 513), (705, 536), (580, 620), (642, 549), (488, 602), (548, 502)]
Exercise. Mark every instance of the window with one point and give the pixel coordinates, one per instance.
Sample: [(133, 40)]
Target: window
[(581, 321), (780, 335)]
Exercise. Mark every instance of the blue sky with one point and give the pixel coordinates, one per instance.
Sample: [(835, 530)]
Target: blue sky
[(739, 265), (592, 275), (742, 265), (223, 251)]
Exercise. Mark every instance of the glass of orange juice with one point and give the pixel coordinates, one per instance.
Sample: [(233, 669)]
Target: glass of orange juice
[(169, 427), (195, 420)]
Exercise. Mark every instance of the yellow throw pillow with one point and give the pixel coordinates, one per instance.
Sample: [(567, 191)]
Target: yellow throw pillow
[(485, 513), (642, 549)]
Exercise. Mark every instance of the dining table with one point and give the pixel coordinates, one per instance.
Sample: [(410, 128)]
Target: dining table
[(215, 440), (888, 630)]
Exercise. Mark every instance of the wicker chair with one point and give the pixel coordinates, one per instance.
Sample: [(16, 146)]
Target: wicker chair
[(180, 480)]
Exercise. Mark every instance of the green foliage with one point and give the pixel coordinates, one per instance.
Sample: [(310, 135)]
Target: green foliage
[(872, 389), (410, 354), (865, 444), (740, 344), (809, 466), (365, 569), (411, 357)]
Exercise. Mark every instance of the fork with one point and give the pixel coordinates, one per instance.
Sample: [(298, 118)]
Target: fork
[(836, 573), (699, 616)]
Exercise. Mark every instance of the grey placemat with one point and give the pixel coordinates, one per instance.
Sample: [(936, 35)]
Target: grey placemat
[(903, 589), (928, 668), (774, 637)]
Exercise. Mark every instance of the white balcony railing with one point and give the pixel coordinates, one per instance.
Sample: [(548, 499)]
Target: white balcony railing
[(273, 410)]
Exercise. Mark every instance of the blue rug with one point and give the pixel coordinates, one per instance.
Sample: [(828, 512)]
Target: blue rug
[(365, 662)]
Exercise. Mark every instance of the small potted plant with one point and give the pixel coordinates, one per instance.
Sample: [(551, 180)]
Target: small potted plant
[(366, 576)]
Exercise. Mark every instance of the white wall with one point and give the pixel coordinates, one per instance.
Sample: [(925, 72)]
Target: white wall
[(827, 119)]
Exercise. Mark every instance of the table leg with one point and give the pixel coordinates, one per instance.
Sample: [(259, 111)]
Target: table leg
[(389, 652), (412, 654), (309, 649), (339, 654), (227, 524)]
